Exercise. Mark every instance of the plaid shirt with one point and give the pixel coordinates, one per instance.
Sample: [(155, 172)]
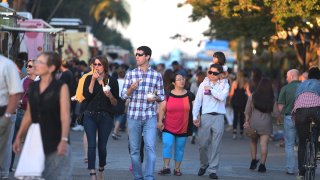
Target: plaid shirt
[(139, 108), (306, 100)]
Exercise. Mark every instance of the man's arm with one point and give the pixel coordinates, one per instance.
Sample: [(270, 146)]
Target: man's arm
[(13, 103)]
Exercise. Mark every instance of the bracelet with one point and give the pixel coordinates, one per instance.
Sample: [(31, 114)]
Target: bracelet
[(64, 139)]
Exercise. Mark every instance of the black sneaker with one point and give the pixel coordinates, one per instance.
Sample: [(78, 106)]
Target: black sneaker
[(262, 168), (253, 164), (213, 176), (202, 171)]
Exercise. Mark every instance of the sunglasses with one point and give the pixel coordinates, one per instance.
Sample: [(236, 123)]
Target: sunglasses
[(140, 54), (29, 66), (97, 64), (213, 73)]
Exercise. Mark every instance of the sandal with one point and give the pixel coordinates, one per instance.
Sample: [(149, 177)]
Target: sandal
[(177, 172), (101, 173), (164, 171), (93, 175)]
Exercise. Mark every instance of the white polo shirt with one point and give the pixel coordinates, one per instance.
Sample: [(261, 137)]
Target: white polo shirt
[(10, 82)]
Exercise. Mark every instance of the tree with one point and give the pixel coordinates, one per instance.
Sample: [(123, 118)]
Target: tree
[(109, 10), (256, 19)]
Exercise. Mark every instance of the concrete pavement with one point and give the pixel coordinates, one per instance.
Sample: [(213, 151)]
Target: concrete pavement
[(235, 161)]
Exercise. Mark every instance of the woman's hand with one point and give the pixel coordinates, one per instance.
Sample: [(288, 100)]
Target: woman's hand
[(246, 124), (160, 125), (95, 75), (16, 147), (62, 147)]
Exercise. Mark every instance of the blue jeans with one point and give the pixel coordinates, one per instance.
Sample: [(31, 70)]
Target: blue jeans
[(289, 139), (7, 146), (179, 143), (100, 123), (149, 129), (19, 116), (58, 166)]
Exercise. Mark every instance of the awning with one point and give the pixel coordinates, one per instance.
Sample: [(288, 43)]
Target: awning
[(214, 46), (20, 29)]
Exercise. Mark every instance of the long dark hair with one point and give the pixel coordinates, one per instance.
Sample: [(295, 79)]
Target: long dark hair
[(167, 80), (104, 61), (263, 97)]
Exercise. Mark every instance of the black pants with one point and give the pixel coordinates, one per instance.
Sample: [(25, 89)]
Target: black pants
[(238, 117), (302, 120)]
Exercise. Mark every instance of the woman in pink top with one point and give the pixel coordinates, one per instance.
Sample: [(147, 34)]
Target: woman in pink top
[(175, 121)]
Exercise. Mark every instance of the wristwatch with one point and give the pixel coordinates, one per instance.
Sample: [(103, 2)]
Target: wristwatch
[(7, 115)]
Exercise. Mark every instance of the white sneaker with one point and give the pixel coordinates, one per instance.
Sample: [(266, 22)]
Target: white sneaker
[(300, 178), (77, 128)]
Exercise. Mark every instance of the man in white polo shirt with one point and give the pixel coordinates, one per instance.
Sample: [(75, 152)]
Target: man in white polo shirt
[(10, 92)]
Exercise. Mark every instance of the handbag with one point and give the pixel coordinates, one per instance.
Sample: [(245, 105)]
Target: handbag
[(80, 117), (250, 132), (32, 158)]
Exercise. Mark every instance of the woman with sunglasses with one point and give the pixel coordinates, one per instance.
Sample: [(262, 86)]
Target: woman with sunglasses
[(211, 96), (101, 93), (26, 81)]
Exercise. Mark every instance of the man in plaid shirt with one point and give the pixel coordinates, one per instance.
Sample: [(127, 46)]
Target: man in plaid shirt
[(143, 86)]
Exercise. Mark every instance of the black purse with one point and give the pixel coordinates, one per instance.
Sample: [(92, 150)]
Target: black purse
[(80, 117)]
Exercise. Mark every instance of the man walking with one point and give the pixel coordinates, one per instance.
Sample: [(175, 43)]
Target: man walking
[(285, 105), (10, 92), (211, 96), (141, 114)]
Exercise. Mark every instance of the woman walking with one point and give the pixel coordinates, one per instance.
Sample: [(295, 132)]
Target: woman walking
[(101, 93), (176, 114), (258, 116), (239, 93), (49, 105)]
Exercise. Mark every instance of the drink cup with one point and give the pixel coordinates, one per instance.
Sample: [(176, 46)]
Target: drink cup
[(106, 88)]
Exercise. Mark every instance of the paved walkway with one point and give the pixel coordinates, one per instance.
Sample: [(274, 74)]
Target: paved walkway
[(235, 161)]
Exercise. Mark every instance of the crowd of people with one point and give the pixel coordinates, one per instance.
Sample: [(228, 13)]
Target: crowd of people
[(166, 103)]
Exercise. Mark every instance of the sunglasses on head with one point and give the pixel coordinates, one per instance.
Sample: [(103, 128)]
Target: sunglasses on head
[(140, 54), (97, 64), (29, 66), (213, 73)]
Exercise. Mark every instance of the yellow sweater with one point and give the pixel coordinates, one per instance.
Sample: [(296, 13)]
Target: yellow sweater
[(79, 92)]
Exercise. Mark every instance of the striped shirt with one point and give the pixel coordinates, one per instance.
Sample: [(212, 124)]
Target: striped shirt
[(306, 100), (139, 108)]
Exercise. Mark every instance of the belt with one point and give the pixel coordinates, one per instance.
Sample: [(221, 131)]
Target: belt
[(214, 113)]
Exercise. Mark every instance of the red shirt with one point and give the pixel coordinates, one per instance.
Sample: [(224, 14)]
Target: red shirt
[(177, 114)]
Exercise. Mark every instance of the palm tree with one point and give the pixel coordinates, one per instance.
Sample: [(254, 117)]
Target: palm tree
[(111, 10)]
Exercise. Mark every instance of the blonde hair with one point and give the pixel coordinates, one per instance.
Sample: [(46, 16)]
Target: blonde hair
[(241, 81)]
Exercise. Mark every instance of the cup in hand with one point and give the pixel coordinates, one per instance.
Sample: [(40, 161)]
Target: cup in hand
[(207, 90), (106, 88)]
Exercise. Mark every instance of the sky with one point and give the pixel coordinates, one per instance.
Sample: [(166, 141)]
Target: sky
[(153, 22)]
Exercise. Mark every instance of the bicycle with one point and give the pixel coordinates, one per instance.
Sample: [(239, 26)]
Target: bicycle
[(310, 159)]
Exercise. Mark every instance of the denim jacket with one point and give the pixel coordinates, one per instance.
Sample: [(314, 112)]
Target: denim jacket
[(310, 85)]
